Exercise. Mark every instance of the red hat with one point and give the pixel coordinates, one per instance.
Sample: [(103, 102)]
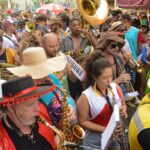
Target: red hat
[(21, 89), (9, 11)]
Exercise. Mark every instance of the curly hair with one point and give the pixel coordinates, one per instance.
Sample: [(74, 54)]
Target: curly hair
[(94, 66)]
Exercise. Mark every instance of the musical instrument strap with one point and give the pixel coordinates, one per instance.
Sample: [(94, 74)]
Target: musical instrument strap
[(106, 97)]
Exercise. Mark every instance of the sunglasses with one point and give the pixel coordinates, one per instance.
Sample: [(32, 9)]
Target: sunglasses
[(116, 45)]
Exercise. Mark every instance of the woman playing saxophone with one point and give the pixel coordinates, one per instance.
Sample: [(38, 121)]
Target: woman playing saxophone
[(97, 100)]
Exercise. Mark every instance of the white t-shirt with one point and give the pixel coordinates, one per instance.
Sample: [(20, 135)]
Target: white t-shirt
[(9, 42), (127, 47)]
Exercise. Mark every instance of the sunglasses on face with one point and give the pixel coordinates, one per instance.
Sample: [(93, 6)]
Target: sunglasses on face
[(113, 45), (116, 45)]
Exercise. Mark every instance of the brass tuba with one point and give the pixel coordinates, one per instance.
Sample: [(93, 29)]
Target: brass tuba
[(95, 12)]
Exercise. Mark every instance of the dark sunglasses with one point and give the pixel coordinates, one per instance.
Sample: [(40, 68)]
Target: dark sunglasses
[(116, 45), (113, 45)]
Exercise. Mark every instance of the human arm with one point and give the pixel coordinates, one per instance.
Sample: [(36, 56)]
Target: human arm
[(123, 108), (83, 115), (93, 40)]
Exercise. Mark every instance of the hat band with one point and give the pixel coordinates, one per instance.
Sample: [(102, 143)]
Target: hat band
[(23, 92)]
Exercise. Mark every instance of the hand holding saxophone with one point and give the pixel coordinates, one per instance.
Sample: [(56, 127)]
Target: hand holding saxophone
[(117, 132), (71, 114), (123, 112), (124, 78)]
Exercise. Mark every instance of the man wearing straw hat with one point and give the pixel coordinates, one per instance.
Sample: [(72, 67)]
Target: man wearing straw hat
[(36, 64), (19, 127), (139, 128)]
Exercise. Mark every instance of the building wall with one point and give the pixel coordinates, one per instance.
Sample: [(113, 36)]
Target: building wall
[(23, 4)]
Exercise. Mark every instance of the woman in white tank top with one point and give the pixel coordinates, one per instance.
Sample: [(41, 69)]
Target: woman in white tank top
[(95, 105)]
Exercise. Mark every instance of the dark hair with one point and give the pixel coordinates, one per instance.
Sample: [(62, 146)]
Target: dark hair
[(41, 18), (126, 17), (116, 12), (65, 18), (94, 66), (1, 35), (73, 19)]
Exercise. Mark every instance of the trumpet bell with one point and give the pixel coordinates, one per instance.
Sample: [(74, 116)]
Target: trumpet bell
[(24, 15), (30, 26), (93, 11)]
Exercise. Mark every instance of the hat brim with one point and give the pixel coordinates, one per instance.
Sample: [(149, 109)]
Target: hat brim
[(37, 93), (41, 69), (103, 44)]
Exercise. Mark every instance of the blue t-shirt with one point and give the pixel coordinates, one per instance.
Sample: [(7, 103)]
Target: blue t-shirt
[(132, 37)]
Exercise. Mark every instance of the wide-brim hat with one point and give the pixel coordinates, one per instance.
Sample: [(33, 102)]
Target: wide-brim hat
[(21, 89), (109, 36), (115, 25), (37, 65), (54, 21)]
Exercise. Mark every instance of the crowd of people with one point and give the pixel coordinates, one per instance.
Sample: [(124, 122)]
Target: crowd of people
[(42, 98)]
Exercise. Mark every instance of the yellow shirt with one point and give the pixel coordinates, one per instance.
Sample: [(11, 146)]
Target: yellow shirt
[(10, 54), (139, 122)]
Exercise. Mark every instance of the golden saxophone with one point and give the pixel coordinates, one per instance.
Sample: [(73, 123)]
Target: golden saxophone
[(57, 131), (71, 133), (122, 140), (66, 132)]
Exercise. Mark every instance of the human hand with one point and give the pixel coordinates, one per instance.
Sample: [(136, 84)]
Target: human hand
[(124, 78), (84, 31), (118, 132), (123, 112), (71, 114)]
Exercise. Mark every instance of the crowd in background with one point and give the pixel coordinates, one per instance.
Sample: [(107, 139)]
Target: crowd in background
[(116, 53)]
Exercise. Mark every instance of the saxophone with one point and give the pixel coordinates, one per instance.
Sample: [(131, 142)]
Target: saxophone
[(70, 133), (66, 132), (122, 140)]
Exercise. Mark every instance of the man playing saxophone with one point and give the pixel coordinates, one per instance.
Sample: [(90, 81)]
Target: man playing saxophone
[(18, 127), (42, 73)]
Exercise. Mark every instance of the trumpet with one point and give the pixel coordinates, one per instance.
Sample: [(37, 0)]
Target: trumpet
[(24, 15), (30, 26), (133, 63)]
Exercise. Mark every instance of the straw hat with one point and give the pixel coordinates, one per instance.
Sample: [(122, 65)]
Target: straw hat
[(109, 36), (54, 21), (115, 25), (36, 64), (21, 89)]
